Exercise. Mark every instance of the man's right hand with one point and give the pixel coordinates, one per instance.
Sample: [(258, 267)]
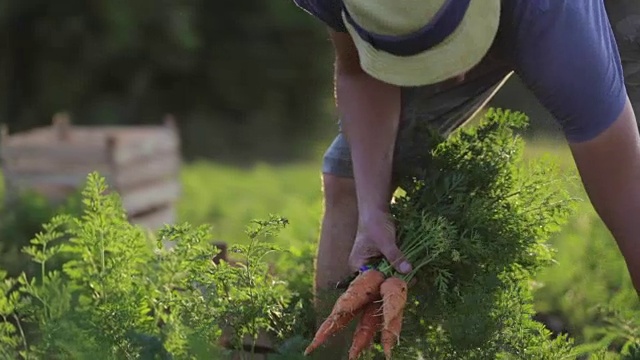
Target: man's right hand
[(376, 237)]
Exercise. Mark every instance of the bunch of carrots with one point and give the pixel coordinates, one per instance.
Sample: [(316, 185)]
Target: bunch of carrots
[(436, 230), (379, 294), (380, 299)]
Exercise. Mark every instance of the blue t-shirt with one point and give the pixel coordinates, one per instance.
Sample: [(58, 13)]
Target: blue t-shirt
[(563, 50)]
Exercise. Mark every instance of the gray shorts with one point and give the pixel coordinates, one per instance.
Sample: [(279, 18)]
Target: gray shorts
[(446, 107)]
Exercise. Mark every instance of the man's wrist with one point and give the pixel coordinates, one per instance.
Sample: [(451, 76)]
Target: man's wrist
[(372, 212), (374, 193)]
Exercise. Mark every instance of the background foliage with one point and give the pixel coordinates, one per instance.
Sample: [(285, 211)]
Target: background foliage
[(587, 291), (243, 78), (250, 85), (248, 81)]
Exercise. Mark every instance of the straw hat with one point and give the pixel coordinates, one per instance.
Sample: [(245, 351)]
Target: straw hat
[(420, 42)]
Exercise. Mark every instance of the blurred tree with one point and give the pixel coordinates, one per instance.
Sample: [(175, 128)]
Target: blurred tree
[(245, 79)]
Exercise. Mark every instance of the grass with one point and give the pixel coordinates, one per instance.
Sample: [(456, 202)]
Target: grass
[(589, 269)]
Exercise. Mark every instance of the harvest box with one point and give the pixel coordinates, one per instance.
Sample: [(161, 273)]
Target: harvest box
[(141, 163)]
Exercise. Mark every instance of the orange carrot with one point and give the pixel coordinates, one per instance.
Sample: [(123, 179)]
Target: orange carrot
[(366, 330), (394, 298), (329, 327), (363, 290), (390, 334)]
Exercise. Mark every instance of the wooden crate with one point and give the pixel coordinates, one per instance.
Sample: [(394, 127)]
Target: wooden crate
[(141, 163)]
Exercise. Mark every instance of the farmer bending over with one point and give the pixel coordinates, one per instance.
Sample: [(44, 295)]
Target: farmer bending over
[(399, 62)]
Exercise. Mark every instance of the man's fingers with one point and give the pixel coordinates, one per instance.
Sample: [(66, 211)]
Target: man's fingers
[(355, 262), (361, 255), (396, 258)]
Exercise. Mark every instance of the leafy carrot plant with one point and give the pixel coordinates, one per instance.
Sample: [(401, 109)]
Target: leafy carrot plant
[(123, 293), (474, 222)]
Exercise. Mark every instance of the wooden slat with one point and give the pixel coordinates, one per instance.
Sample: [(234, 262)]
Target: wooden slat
[(163, 141), (60, 154), (83, 143), (62, 179), (157, 219), (85, 134), (44, 167), (144, 198), (54, 193), (30, 136), (155, 168)]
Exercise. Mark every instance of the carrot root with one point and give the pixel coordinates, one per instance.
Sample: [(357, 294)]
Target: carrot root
[(329, 327), (394, 298), (390, 335), (366, 330), (363, 290)]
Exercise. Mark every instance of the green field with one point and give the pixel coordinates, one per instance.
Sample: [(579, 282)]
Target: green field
[(589, 272), (116, 290)]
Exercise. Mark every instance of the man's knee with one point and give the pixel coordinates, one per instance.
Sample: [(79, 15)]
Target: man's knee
[(338, 191), (339, 227)]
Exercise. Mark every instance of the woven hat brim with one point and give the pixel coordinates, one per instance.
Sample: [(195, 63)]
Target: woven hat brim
[(458, 53)]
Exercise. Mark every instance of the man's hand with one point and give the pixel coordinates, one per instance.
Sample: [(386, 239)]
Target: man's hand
[(376, 237)]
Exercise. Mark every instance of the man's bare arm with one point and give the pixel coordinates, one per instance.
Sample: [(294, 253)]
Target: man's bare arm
[(370, 114), (610, 169)]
